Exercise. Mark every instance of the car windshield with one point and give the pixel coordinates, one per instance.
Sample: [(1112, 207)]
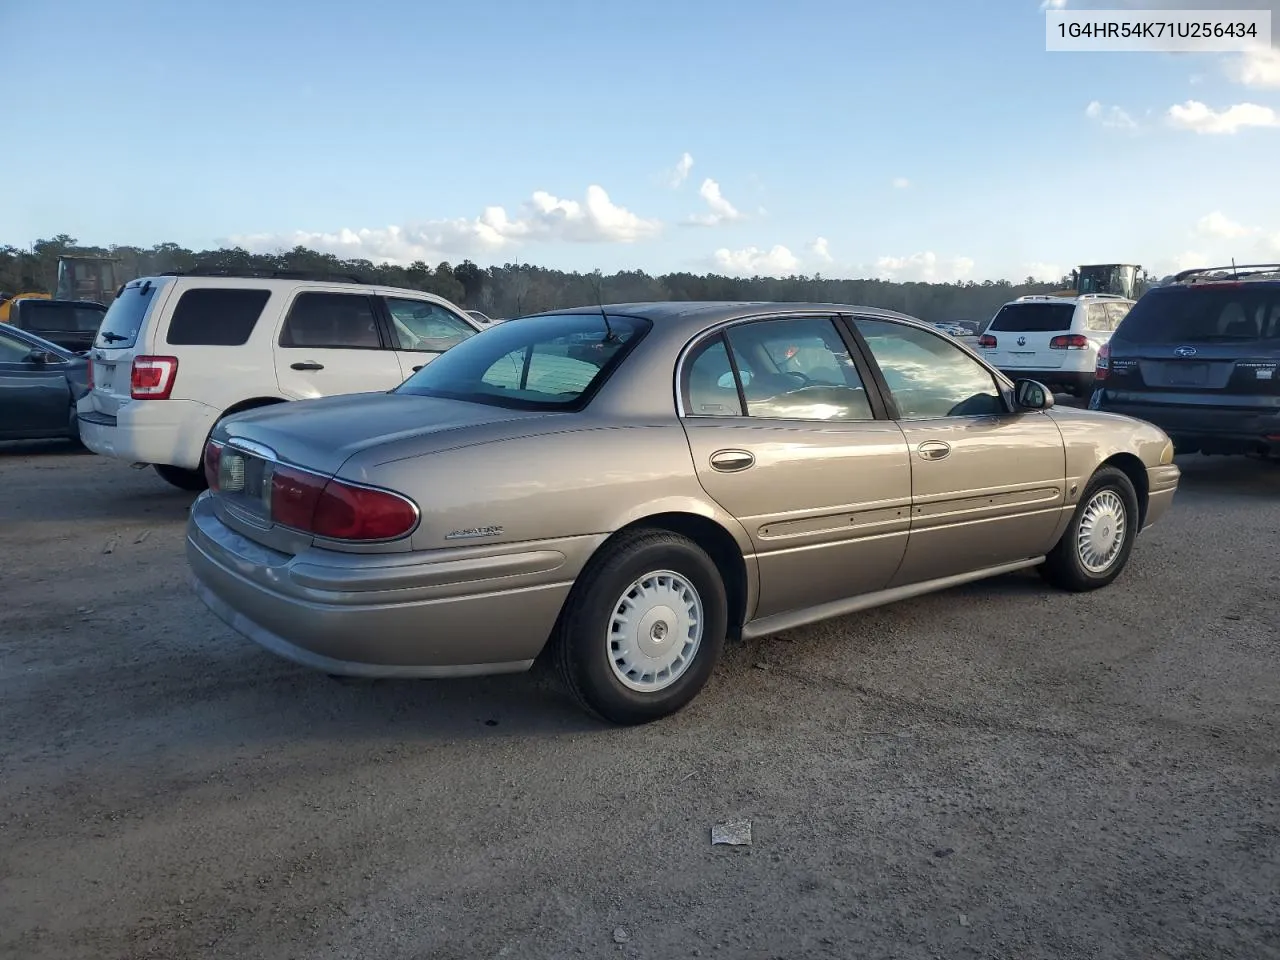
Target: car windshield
[(1034, 317), (1206, 313), (551, 362), (62, 317)]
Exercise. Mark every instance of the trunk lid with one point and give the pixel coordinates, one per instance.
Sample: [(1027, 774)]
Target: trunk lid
[(125, 333)]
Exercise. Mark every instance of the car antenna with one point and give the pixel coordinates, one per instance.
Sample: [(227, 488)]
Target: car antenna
[(597, 284), (1235, 274)]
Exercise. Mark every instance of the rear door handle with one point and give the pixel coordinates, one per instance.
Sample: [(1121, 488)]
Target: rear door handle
[(934, 450), (731, 461), (308, 365)]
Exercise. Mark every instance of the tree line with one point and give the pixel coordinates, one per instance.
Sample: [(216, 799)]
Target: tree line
[(514, 289)]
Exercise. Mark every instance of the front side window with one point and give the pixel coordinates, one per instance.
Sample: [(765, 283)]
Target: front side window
[(928, 376), (796, 370), (333, 320), (13, 350), (421, 325), (552, 362)]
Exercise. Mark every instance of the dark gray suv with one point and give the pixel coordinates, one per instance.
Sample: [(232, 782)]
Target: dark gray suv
[(1200, 358)]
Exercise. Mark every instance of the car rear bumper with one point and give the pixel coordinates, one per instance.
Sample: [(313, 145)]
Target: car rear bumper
[(169, 432), (1204, 428), (383, 615)]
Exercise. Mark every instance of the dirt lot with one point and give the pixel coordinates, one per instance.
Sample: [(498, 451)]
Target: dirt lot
[(999, 771)]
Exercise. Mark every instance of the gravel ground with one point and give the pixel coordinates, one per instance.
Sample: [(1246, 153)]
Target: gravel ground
[(997, 771)]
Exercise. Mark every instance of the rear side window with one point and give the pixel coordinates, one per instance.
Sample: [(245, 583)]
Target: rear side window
[(421, 325), (333, 320), (1096, 317), (126, 315), (49, 315), (1204, 313), (1034, 317), (216, 317)]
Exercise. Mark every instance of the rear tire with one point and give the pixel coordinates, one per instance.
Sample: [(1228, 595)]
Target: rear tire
[(183, 479), (1096, 545), (643, 628)]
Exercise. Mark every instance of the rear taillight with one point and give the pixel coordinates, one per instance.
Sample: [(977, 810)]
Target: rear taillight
[(89, 373), (152, 377), (1103, 365), (337, 510), (987, 341), (212, 463), (1072, 341)]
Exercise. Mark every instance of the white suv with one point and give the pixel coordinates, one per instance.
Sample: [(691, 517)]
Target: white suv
[(176, 353), (1053, 339)]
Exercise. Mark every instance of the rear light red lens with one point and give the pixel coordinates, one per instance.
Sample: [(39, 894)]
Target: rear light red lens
[(152, 377), (336, 510), (358, 513), (1103, 365), (1071, 342), (89, 373), (987, 341), (212, 463)]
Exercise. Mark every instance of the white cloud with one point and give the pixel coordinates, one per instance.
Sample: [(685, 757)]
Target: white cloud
[(1053, 4), (680, 172), (901, 183), (752, 261), (543, 218), (925, 266), (1112, 117), (1217, 225), (820, 249), (1256, 68), (721, 210), (1196, 116), (1045, 271)]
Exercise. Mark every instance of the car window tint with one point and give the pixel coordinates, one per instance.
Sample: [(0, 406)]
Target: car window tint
[(216, 317), (331, 320), (1205, 313), (710, 388), (928, 375), (60, 317), (420, 325), (797, 370), (13, 350), (1033, 317)]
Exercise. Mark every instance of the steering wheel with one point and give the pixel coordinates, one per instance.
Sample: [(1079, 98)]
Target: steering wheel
[(804, 378)]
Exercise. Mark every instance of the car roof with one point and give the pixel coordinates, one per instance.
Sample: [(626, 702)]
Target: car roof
[(1077, 299), (63, 303), (695, 315)]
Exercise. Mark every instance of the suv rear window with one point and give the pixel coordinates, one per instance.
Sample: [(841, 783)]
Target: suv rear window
[(1034, 317), (126, 314), (40, 315), (216, 316), (1204, 313), (552, 362)]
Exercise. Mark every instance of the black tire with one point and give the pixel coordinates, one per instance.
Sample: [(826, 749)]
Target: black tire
[(1063, 567), (582, 654), (192, 480)]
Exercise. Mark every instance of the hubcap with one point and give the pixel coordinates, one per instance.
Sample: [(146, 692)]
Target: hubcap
[(655, 631), (1101, 532)]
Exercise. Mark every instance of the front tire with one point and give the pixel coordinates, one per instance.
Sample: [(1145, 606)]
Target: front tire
[(1097, 542), (643, 628), (183, 479)]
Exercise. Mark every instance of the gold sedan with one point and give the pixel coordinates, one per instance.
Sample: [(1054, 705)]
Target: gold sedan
[(630, 486)]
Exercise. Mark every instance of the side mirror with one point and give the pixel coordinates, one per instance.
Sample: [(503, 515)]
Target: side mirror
[(1032, 395), (38, 357)]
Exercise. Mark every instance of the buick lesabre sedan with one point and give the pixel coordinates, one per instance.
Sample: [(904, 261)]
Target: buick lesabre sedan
[(629, 486)]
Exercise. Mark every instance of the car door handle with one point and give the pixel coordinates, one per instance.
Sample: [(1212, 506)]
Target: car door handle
[(730, 461), (308, 365), (934, 450)]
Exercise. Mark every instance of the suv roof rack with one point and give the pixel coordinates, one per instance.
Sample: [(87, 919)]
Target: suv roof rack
[(249, 273), (1235, 272)]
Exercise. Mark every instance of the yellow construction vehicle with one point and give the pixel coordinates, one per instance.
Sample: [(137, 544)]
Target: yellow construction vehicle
[(1121, 279), (89, 278), (6, 301)]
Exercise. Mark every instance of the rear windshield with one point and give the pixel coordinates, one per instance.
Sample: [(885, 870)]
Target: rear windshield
[(1207, 313), (552, 362), (1034, 317), (125, 315), (60, 317)]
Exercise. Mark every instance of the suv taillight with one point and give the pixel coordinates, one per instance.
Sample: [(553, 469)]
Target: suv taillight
[(337, 510), (987, 341), (152, 377), (1103, 366), (89, 373), (1070, 342), (212, 463)]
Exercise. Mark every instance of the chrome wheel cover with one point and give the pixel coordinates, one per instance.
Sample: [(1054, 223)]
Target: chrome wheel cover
[(654, 631), (1103, 527)]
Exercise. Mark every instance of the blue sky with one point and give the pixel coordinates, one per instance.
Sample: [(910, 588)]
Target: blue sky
[(916, 139)]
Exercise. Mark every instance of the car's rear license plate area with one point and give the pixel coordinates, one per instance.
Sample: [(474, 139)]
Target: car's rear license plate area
[(1186, 374)]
